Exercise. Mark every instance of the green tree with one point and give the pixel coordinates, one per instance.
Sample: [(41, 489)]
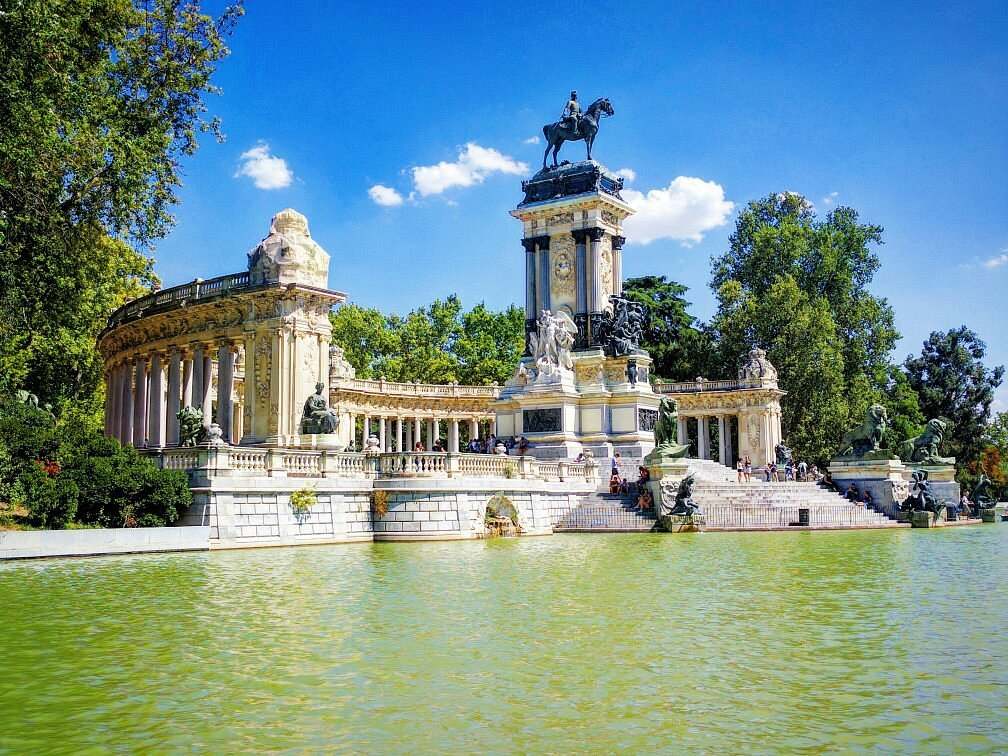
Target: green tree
[(952, 382), (364, 335), (798, 286), (905, 417), (100, 100), (491, 344), (679, 348)]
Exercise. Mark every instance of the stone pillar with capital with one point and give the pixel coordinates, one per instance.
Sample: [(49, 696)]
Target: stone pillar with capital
[(681, 431), (542, 273), (723, 430), (703, 438), (155, 411), (174, 394), (126, 425), (225, 387), (453, 436), (617, 263), (530, 290), (398, 434), (382, 434), (416, 431), (187, 379), (206, 387), (140, 402)]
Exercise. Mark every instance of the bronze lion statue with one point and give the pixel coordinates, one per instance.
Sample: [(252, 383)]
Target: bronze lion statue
[(868, 436), (924, 448)]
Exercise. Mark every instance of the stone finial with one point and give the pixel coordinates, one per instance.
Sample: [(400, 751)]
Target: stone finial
[(289, 255), (758, 368), (339, 367)]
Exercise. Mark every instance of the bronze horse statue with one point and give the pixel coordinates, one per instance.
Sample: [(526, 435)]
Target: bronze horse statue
[(558, 133)]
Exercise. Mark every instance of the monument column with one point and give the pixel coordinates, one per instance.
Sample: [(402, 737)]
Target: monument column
[(543, 273), (398, 434), (416, 431), (453, 436), (596, 300), (681, 431), (382, 435), (140, 402), (430, 434), (174, 387), (473, 428), (155, 417), (581, 286), (115, 392), (530, 288), (365, 429), (617, 264)]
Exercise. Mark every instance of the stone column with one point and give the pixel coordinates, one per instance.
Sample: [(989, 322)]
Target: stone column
[(416, 431), (453, 436), (530, 279), (225, 377), (187, 379), (681, 431), (114, 390), (206, 387), (473, 428), (703, 438), (722, 427), (407, 434), (597, 300), (617, 263), (543, 273), (365, 429), (382, 435), (766, 435), (398, 432), (155, 414), (140, 402), (174, 395), (430, 434), (126, 426), (580, 271)]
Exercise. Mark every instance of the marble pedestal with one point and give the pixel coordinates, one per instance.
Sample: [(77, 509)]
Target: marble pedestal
[(942, 479), (593, 407), (886, 479)]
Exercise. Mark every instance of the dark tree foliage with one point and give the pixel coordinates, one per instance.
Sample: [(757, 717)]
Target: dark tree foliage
[(797, 285), (952, 382), (437, 343), (680, 349), (100, 100)]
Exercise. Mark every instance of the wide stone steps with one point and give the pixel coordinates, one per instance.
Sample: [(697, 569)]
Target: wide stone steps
[(605, 512)]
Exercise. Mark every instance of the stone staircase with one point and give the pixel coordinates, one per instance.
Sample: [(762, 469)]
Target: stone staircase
[(729, 505), (758, 505), (603, 512)]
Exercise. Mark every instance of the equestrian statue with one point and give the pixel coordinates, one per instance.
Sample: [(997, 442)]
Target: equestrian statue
[(574, 126)]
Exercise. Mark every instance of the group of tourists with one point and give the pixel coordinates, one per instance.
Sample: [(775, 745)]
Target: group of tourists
[(623, 486), (801, 473), (862, 500)]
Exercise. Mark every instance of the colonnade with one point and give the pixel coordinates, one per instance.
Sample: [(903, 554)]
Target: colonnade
[(727, 452), (145, 392), (401, 432), (754, 434)]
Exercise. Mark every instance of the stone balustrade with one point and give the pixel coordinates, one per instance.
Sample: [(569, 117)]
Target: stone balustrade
[(224, 461), (179, 296)]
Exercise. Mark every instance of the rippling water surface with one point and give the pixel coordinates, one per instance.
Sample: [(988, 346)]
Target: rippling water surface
[(728, 641)]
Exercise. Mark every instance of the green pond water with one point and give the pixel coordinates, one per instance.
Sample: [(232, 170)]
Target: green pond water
[(717, 641)]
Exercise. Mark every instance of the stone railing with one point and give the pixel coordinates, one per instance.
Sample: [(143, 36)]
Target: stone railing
[(225, 461), (177, 296), (693, 387), (414, 389)]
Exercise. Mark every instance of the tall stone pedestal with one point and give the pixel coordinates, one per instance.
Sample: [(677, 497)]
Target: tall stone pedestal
[(572, 220), (886, 479), (942, 479)]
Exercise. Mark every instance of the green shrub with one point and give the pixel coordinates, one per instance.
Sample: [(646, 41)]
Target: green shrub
[(303, 500), (51, 502)]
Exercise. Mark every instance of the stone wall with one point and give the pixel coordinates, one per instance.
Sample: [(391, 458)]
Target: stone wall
[(28, 544)]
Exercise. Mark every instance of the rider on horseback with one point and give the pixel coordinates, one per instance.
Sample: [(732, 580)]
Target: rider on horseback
[(572, 113)]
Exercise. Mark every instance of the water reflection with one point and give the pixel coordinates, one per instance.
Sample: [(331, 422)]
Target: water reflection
[(725, 641)]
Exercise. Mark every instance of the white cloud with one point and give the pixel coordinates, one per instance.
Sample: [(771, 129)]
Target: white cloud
[(473, 165), (683, 211), (830, 198), (531, 140), (998, 261), (385, 196), (628, 174), (266, 171)]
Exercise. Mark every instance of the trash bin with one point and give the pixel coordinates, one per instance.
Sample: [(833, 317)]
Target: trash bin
[(803, 517)]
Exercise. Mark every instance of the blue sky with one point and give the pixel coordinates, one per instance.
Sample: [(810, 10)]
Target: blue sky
[(899, 111)]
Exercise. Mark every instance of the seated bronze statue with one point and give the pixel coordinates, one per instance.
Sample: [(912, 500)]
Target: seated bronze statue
[(317, 417)]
